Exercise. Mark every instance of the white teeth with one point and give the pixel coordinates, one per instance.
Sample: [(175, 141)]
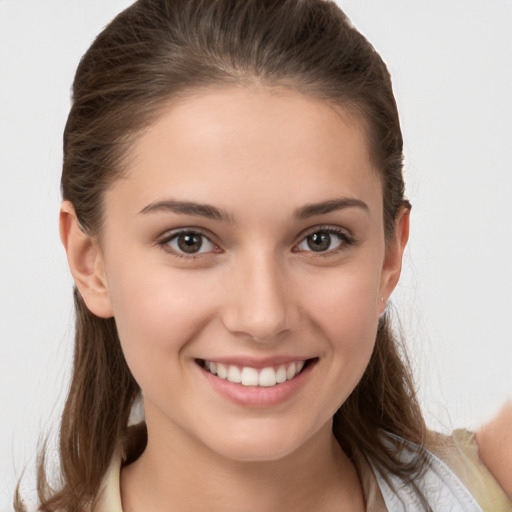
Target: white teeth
[(234, 374), (267, 377), (222, 371), (281, 375), (248, 376)]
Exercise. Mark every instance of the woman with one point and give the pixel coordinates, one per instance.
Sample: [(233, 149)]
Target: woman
[(234, 219)]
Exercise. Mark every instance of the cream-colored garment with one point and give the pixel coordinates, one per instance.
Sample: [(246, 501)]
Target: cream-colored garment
[(110, 496), (459, 451)]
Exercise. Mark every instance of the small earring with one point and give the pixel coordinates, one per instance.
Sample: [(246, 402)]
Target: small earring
[(384, 310)]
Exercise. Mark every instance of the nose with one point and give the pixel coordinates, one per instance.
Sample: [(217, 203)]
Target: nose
[(260, 305)]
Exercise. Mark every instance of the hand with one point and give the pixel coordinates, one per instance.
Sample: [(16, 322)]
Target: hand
[(495, 444)]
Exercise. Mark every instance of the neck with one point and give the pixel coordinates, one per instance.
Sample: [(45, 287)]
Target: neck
[(180, 474)]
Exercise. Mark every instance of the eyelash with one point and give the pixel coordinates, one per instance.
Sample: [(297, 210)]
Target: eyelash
[(164, 243), (345, 242)]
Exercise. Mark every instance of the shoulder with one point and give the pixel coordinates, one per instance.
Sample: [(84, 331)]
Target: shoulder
[(495, 445), (461, 454), (436, 485)]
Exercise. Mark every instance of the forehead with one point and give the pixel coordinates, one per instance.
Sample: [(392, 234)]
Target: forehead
[(246, 142)]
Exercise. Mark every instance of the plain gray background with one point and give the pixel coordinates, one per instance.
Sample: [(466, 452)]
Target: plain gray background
[(451, 63)]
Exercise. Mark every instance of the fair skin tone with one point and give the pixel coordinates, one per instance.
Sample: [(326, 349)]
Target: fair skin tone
[(495, 443), (247, 247)]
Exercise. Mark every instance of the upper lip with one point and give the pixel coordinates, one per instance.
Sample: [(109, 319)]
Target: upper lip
[(255, 362)]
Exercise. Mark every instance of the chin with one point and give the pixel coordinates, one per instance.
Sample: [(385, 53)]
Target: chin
[(257, 451), (262, 442)]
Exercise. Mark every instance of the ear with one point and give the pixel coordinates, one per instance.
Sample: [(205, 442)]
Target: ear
[(85, 262), (395, 248)]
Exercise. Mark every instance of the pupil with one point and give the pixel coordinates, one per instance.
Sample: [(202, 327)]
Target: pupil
[(319, 241), (190, 243)]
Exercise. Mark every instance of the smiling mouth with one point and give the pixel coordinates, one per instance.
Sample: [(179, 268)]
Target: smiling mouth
[(257, 377)]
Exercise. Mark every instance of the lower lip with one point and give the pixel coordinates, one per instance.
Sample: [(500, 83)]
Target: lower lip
[(258, 396)]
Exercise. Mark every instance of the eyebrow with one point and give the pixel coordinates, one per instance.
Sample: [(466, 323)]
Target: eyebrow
[(310, 210), (212, 212), (188, 208)]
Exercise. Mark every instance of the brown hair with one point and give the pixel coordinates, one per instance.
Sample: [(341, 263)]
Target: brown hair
[(149, 54)]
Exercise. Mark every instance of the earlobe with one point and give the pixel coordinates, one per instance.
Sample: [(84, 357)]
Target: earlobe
[(85, 262), (394, 253)]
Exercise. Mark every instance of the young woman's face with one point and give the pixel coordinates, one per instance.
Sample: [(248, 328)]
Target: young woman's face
[(246, 243)]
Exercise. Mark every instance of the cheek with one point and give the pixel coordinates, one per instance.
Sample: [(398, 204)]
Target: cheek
[(157, 310), (345, 314), (344, 321), (346, 303), (158, 313)]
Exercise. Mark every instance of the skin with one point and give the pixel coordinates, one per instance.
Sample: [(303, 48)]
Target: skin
[(256, 291), (495, 444)]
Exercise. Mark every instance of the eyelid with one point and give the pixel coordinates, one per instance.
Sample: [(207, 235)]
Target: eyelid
[(169, 235), (165, 238), (343, 233)]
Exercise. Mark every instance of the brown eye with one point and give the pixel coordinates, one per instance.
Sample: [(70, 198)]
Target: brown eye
[(189, 242), (319, 241), (323, 241)]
